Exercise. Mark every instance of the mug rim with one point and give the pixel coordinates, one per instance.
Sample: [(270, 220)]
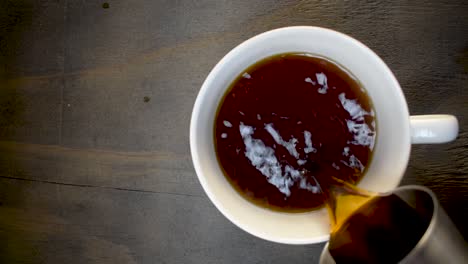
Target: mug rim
[(205, 89)]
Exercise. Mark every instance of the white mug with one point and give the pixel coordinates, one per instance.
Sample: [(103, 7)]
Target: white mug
[(396, 129)]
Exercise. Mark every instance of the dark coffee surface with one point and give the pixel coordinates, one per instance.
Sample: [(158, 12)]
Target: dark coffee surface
[(288, 114), (384, 230)]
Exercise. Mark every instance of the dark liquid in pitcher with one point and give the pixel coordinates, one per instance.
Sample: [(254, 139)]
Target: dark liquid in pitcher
[(383, 230), (288, 124)]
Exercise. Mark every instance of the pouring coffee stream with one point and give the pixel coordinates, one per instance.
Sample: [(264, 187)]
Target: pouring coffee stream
[(342, 199)]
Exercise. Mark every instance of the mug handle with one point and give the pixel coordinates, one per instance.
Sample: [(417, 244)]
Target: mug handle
[(433, 129)]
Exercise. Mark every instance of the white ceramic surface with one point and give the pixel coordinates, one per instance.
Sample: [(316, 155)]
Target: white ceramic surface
[(395, 129)]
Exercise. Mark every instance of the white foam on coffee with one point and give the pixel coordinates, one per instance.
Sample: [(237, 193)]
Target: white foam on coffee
[(227, 123), (301, 162), (355, 163), (308, 142), (346, 151), (264, 160), (322, 80), (307, 186), (363, 135), (309, 80), (335, 166), (354, 109), (289, 145)]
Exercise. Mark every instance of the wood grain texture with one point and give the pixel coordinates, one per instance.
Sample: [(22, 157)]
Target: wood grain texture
[(95, 107)]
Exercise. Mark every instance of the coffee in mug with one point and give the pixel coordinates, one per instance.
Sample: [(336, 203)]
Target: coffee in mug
[(288, 125)]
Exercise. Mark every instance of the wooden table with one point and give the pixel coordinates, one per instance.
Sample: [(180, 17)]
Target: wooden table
[(95, 106)]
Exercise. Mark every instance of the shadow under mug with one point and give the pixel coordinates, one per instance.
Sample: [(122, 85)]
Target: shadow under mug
[(396, 129)]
